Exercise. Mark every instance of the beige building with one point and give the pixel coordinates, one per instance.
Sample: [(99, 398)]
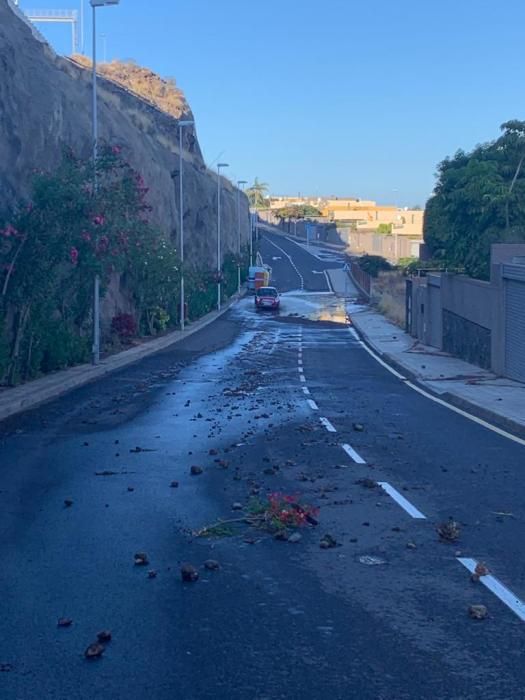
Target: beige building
[(279, 202), (360, 214), (366, 215)]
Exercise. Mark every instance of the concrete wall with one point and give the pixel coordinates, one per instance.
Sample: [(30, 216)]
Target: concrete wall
[(392, 247), (459, 315)]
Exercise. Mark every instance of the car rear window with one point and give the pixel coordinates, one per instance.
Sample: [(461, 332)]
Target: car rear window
[(267, 292)]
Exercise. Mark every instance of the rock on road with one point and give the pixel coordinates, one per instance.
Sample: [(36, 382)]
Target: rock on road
[(104, 473)]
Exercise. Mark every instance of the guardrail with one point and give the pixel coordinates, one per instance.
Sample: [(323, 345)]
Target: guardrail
[(361, 279)]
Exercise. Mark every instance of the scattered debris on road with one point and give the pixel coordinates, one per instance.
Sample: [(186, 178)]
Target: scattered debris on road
[(328, 542), (477, 612), (104, 636), (189, 573), (141, 559), (480, 570), (367, 483), (211, 565), (94, 651), (275, 514), (371, 560), (449, 531)]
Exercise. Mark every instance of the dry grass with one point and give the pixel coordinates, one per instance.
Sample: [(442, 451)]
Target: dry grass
[(162, 92), (388, 296)]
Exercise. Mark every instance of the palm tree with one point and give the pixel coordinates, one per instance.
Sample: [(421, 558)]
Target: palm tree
[(256, 193)]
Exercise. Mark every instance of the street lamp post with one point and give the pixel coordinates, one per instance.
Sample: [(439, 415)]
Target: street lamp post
[(240, 184), (96, 291), (219, 271), (182, 124)]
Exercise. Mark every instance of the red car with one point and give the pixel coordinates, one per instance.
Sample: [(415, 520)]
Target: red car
[(267, 298)]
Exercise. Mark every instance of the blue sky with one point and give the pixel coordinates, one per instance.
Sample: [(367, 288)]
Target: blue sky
[(329, 98)]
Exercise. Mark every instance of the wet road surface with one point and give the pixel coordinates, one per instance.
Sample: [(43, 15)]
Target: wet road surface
[(263, 403)]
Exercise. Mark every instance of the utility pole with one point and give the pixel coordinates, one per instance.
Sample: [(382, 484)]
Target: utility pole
[(96, 290), (182, 124), (240, 184)]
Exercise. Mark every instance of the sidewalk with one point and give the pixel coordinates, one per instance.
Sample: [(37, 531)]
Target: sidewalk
[(499, 400), (39, 391)]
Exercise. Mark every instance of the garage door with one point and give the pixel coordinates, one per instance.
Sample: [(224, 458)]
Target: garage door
[(515, 328)]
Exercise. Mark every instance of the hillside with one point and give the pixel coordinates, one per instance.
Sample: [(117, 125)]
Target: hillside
[(162, 92), (45, 106)]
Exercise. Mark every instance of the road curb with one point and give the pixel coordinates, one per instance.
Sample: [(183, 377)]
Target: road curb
[(454, 400), (33, 394)]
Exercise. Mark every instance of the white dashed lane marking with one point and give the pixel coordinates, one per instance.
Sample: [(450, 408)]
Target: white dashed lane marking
[(353, 454), (302, 377), (306, 390), (402, 501), (328, 425), (312, 404), (500, 591)]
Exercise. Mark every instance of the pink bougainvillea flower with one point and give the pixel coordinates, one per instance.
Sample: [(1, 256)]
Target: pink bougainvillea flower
[(116, 150), (99, 220), (85, 236), (73, 255), (9, 231)]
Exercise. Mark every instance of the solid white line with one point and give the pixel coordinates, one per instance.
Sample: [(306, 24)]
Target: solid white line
[(353, 332), (474, 419), (302, 377), (328, 282), (441, 402), (381, 362), (402, 501), (328, 425), (353, 454), (500, 591), (312, 404), (306, 390)]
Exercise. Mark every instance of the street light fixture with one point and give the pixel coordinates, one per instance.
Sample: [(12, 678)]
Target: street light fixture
[(96, 293), (240, 185), (219, 166), (182, 124)]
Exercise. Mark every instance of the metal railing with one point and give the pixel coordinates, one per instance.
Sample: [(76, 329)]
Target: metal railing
[(53, 15)]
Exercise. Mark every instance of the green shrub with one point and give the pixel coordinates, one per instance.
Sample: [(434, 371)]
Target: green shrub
[(374, 264)]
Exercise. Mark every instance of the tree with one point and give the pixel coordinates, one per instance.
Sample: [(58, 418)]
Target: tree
[(257, 194), (385, 229), (479, 199), (297, 211)]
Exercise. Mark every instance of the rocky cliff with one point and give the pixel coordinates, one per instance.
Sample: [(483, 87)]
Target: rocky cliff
[(45, 104)]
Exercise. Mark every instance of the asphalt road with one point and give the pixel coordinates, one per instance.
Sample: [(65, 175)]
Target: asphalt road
[(381, 616)]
